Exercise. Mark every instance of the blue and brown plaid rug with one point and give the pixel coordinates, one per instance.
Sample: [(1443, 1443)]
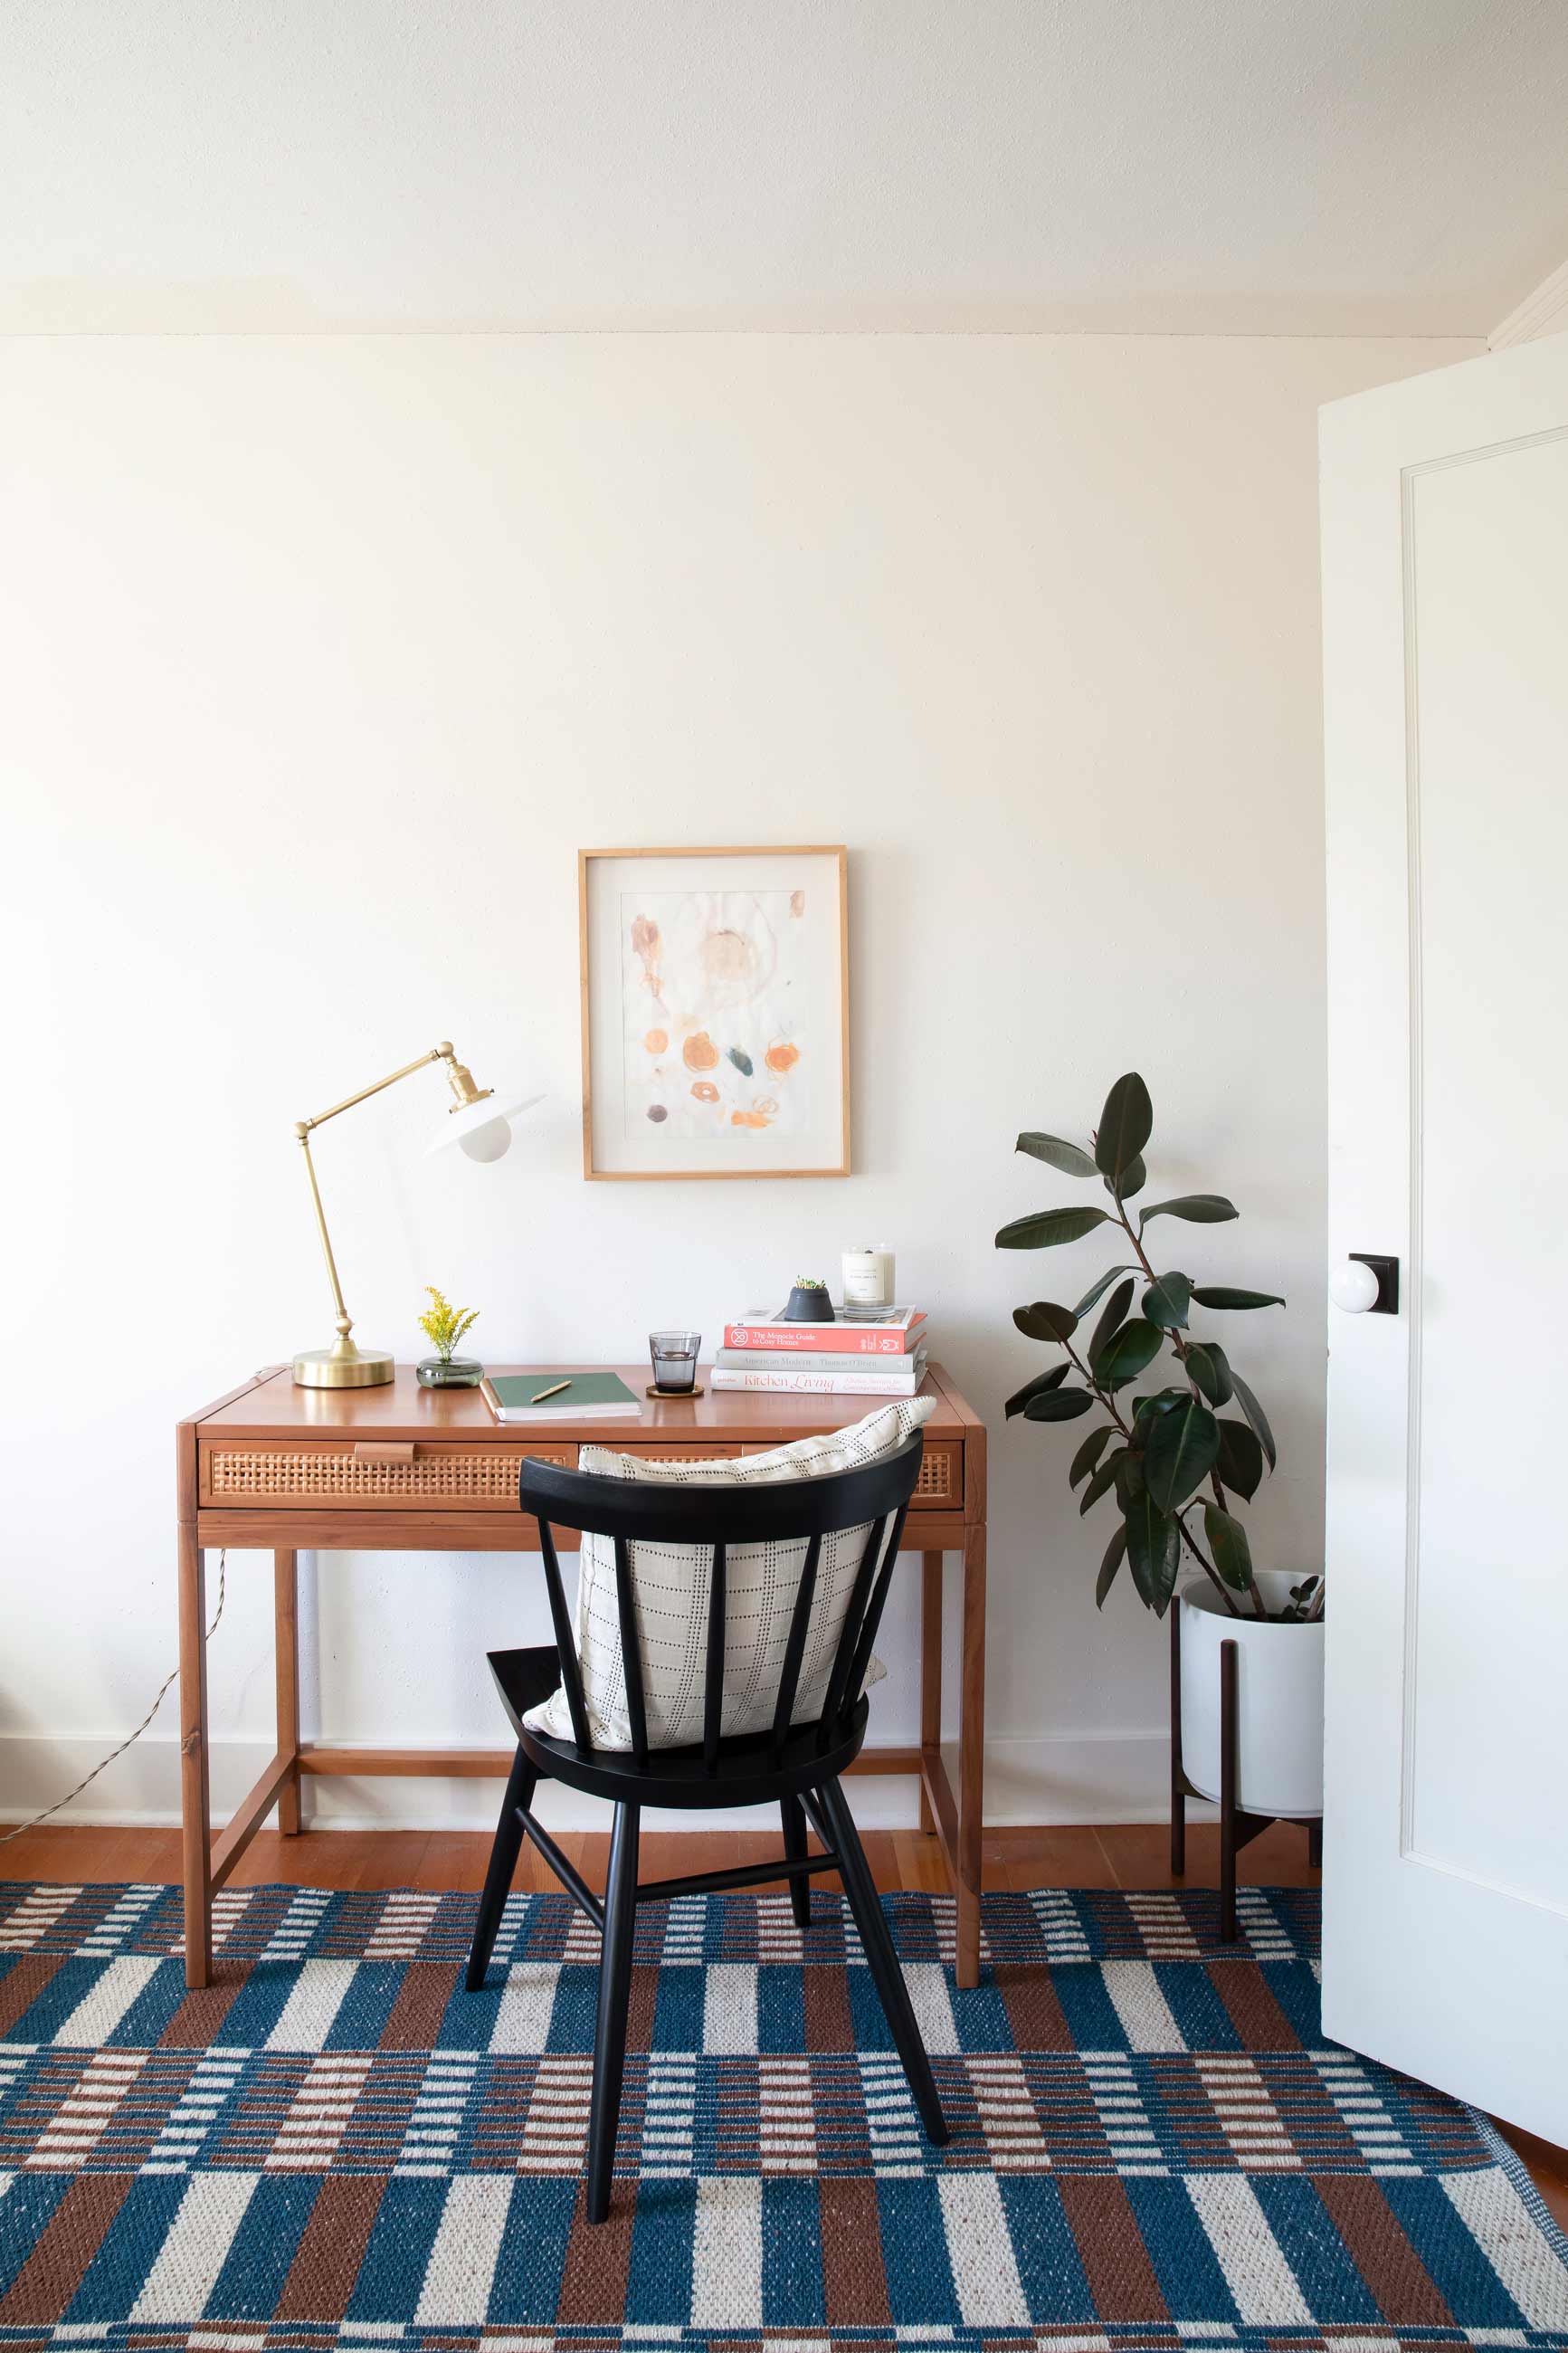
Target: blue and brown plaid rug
[(336, 2147)]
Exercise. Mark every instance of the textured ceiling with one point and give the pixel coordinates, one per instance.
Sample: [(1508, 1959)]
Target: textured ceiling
[(1289, 166)]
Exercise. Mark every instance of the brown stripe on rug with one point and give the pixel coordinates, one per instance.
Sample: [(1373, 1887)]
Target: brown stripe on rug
[(52, 2274), (1382, 2252), (421, 2005), (1110, 2247), (642, 2004), (598, 2262), (327, 2263), (1254, 2012), (1034, 2013), (195, 2024), (22, 1984), (855, 2280), (828, 2025)]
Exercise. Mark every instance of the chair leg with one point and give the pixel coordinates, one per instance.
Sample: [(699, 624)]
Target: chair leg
[(614, 1996), (883, 1962), (795, 1850), (522, 1782)]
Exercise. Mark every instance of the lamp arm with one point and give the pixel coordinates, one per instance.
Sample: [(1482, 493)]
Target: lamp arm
[(462, 1082), (435, 1054)]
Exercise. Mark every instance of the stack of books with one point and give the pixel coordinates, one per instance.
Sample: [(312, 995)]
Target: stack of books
[(876, 1352)]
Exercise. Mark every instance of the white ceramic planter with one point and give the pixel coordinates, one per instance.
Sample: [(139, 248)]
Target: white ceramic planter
[(1279, 1694)]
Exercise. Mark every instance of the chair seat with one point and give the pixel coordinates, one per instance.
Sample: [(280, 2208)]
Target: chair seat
[(747, 1772)]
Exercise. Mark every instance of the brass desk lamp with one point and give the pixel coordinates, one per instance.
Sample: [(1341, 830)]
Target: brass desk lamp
[(473, 1121)]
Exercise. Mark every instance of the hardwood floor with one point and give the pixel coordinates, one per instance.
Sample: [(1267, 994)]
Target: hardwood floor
[(1132, 1854), (1129, 1855)]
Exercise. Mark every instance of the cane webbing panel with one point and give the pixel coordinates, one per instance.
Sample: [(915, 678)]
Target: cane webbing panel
[(937, 1483), (486, 1476)]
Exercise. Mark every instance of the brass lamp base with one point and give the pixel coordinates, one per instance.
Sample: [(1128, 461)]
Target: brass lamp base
[(343, 1367)]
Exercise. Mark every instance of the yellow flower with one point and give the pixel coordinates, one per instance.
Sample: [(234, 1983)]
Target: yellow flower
[(444, 1324)]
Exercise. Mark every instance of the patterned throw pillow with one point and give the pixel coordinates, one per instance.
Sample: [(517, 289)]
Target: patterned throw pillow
[(761, 1581)]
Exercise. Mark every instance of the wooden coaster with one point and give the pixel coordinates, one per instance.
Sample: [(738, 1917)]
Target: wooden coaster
[(675, 1397)]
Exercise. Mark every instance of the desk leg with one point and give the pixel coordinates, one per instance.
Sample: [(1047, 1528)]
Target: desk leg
[(930, 1667), (194, 1808), (285, 1673), (970, 1756)]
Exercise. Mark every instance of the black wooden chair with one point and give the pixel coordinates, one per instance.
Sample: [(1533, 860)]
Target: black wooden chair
[(795, 1766)]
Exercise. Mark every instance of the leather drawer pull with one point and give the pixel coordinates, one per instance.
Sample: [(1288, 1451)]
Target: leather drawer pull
[(368, 1452)]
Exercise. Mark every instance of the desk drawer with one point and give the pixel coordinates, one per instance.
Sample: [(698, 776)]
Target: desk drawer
[(368, 1476)]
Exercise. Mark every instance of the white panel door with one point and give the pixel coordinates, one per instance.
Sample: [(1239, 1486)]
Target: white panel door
[(1445, 516)]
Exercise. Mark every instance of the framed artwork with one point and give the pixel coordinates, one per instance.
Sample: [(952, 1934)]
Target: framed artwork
[(715, 1012)]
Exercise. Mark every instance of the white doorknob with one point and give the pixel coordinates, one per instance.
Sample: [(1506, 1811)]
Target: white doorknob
[(1354, 1286)]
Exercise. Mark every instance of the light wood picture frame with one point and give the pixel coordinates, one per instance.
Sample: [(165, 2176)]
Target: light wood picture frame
[(715, 1010)]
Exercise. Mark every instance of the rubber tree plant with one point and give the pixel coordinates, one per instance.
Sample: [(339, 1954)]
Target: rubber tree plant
[(1176, 1461)]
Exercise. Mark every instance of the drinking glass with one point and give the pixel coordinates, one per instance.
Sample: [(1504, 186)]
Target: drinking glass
[(674, 1356)]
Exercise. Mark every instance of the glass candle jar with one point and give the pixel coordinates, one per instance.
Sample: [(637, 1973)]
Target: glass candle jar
[(867, 1277)]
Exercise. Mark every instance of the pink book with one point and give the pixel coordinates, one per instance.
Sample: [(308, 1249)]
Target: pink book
[(891, 1332)]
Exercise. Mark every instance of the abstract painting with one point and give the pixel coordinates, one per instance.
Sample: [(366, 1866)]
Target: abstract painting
[(715, 1020)]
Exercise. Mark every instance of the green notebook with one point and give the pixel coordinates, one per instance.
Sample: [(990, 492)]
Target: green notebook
[(588, 1397)]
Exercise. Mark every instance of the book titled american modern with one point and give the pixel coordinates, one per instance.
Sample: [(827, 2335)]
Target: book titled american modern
[(814, 1360), (894, 1332), (558, 1397), (850, 1377)]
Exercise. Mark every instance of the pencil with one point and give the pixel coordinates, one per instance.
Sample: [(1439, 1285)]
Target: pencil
[(539, 1395)]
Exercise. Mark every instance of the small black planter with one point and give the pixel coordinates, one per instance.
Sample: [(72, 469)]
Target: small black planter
[(809, 1306)]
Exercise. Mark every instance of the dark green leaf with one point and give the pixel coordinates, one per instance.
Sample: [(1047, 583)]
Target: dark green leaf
[(1257, 1416), (1180, 1451), (1134, 1176), (1227, 1544), (1047, 1226), (1036, 1388), (1129, 1484), (1126, 1353), (1198, 1208), (1115, 1553), (1057, 1405), (1211, 1296), (1124, 1126), (1240, 1462), (1070, 1158), (1089, 1454), (1158, 1401), (1153, 1550), (1098, 1289), (1209, 1370), (1102, 1482), (1042, 1321), (1167, 1299), (1113, 1314)]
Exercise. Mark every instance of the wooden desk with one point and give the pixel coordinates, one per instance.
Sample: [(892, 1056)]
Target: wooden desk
[(272, 1467)]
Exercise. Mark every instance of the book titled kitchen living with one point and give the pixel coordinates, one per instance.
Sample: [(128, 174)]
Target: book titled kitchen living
[(896, 1332)]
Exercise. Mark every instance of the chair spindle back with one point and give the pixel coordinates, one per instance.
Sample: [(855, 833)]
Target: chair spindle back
[(876, 1495)]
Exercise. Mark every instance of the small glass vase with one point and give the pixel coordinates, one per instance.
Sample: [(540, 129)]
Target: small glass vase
[(450, 1373)]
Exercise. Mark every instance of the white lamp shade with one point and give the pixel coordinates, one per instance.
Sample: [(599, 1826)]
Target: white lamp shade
[(483, 1129)]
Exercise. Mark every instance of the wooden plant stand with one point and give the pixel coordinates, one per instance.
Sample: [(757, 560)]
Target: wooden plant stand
[(1236, 1826)]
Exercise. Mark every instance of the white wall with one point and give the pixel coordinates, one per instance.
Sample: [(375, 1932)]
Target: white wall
[(323, 656)]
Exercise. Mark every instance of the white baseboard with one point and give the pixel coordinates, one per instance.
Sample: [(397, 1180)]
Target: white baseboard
[(1094, 1777)]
